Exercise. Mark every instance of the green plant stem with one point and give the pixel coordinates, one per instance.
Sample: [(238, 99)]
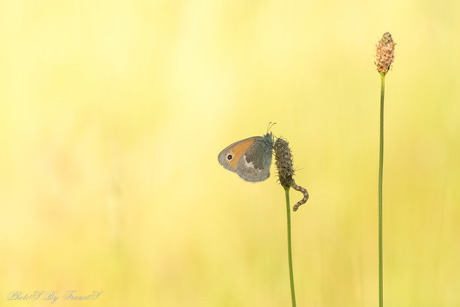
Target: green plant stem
[(382, 98), (291, 272)]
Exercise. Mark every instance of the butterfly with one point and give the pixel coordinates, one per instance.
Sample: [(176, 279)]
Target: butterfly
[(250, 158)]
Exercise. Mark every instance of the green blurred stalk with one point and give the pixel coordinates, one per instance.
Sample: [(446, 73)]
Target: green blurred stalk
[(291, 272), (382, 98)]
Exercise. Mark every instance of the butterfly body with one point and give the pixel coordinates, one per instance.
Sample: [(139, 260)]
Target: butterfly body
[(250, 158)]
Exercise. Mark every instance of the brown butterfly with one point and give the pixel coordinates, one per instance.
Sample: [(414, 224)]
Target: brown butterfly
[(250, 158)]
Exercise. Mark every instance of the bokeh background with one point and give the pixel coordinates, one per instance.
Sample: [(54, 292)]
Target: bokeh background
[(112, 114)]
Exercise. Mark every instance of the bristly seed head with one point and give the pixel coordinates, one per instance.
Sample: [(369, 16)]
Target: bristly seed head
[(385, 53), (283, 159)]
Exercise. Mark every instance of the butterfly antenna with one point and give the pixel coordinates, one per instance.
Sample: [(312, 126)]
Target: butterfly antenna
[(270, 125)]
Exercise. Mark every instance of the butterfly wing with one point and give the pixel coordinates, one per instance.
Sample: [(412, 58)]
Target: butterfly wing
[(250, 158), (254, 165), (230, 156)]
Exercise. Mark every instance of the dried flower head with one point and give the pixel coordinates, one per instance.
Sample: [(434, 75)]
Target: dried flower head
[(385, 53), (284, 164), (283, 159)]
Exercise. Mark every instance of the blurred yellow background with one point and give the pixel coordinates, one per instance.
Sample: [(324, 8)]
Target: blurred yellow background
[(112, 114)]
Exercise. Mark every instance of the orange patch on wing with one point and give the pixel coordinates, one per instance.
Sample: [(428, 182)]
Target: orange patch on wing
[(237, 151)]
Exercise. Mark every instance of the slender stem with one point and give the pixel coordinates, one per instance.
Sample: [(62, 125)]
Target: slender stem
[(291, 272), (382, 98)]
